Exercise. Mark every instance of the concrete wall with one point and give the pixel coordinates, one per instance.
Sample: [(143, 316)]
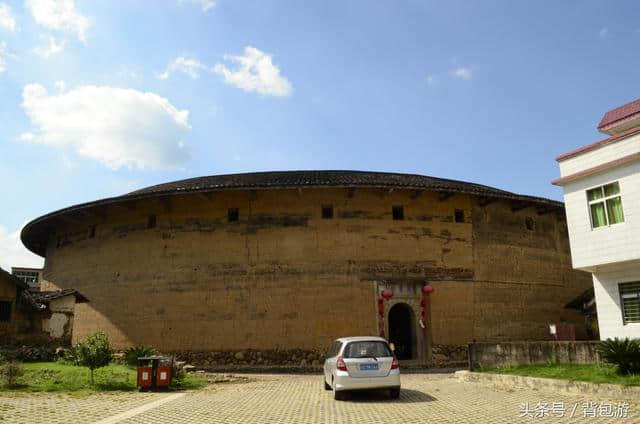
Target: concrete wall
[(491, 355), (592, 247), (282, 277), (605, 283)]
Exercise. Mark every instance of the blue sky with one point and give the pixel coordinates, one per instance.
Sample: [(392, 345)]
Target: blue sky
[(102, 97)]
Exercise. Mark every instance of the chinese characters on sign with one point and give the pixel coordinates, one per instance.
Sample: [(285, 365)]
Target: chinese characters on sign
[(586, 410)]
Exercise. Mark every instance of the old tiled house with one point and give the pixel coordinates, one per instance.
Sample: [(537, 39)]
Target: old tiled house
[(32, 316)]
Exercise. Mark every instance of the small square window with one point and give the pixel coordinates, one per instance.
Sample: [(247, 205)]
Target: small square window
[(459, 215), (530, 223), (327, 212), (233, 214), (5, 310), (398, 213), (151, 221), (92, 231)]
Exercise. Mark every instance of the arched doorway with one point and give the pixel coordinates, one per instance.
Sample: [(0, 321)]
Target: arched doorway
[(401, 332)]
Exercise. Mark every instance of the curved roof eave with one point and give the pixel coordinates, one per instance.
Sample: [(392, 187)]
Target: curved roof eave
[(31, 230)]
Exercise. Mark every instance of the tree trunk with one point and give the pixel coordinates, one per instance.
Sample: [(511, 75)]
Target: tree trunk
[(91, 369)]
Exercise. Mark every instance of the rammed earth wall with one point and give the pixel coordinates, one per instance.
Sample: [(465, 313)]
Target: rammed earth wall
[(283, 278)]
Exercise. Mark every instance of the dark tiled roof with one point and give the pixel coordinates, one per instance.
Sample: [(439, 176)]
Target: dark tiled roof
[(34, 234), (295, 179), (13, 279), (619, 113), (47, 296), (39, 300), (583, 298)]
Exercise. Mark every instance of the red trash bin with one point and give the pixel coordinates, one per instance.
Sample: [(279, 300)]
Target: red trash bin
[(154, 372)]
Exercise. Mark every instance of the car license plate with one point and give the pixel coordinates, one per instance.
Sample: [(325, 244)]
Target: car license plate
[(368, 367)]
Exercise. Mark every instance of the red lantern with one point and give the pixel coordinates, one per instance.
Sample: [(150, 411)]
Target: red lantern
[(387, 294), (427, 289)]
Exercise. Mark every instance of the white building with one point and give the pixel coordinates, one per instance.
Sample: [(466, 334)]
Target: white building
[(601, 185), (30, 276)]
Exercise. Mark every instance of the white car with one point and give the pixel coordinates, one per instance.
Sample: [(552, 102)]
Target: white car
[(355, 363)]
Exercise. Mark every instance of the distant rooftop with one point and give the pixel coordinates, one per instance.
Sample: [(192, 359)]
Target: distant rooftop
[(619, 123), (621, 118)]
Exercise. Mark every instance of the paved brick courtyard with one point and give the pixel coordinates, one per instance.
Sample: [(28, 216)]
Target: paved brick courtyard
[(433, 398)]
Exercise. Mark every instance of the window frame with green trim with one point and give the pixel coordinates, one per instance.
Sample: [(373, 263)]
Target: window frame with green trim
[(605, 205)]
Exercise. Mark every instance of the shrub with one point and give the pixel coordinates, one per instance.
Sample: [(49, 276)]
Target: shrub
[(625, 353), (11, 371), (177, 373), (94, 352), (72, 355), (132, 354)]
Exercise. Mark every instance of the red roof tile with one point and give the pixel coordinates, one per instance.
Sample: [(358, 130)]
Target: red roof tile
[(598, 144), (619, 113)]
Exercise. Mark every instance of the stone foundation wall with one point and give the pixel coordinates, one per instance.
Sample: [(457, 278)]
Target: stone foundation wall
[(449, 355), (295, 358), (490, 355)]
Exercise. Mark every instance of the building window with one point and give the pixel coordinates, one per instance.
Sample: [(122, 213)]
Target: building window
[(92, 231), (233, 214), (530, 223), (398, 213), (31, 278), (151, 222), (327, 212), (630, 301), (459, 215), (5, 310), (605, 205)]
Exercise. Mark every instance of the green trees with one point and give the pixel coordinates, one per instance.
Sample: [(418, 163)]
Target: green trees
[(93, 352)]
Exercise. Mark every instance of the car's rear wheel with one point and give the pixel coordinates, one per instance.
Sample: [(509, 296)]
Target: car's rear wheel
[(394, 393), (339, 395)]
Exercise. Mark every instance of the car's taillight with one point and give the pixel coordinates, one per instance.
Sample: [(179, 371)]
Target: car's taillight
[(340, 365), (395, 364)]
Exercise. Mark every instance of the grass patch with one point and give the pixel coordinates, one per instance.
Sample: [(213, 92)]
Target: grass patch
[(61, 377), (573, 372)]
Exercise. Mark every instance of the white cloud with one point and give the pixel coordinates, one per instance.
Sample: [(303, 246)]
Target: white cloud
[(13, 252), (27, 136), (60, 86), (7, 21), (189, 66), (59, 15), (206, 5), (462, 73), (3, 52), (53, 48), (118, 127), (603, 33), (255, 72)]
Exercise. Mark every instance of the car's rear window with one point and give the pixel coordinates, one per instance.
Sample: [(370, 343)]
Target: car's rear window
[(366, 349)]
